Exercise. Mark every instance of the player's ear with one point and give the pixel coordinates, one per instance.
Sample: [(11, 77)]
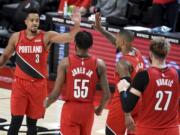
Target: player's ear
[(25, 21)]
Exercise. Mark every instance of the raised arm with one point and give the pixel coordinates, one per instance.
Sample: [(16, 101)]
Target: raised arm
[(9, 50), (61, 73), (104, 85), (55, 37), (104, 32)]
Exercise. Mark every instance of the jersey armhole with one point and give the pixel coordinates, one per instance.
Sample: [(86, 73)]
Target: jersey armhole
[(16, 45), (42, 33)]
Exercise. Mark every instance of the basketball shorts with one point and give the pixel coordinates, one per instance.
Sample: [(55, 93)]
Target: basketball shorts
[(27, 97), (77, 118)]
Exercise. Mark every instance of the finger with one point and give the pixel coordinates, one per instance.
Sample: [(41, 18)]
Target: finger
[(97, 16)]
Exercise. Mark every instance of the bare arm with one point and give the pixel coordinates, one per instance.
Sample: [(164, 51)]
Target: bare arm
[(104, 85), (9, 50), (124, 68), (61, 73), (107, 34), (55, 37)]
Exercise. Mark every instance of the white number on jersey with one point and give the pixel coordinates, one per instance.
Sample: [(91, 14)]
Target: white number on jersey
[(37, 58), (160, 95), (80, 88)]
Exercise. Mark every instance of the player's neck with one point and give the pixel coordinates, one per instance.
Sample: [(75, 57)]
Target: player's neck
[(159, 64), (82, 54), (30, 34)]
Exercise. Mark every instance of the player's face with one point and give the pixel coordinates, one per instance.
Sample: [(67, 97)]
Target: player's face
[(32, 22)]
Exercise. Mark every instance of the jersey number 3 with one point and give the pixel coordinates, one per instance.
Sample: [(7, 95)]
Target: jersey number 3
[(37, 58), (160, 95), (80, 88)]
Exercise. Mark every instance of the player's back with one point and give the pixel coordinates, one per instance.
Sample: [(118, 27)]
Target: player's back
[(81, 79), (160, 99)]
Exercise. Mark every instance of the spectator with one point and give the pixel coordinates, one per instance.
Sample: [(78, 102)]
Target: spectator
[(165, 8), (82, 4), (108, 8)]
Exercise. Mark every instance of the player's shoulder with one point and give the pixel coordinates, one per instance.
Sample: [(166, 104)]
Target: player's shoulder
[(124, 63), (15, 35), (100, 62)]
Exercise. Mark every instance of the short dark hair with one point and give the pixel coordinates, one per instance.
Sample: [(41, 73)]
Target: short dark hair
[(160, 47), (127, 35), (83, 40), (31, 7)]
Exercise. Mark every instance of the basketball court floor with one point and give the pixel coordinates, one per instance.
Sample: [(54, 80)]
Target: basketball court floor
[(47, 126)]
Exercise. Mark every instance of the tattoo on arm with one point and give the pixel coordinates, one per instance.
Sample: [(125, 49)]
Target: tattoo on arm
[(109, 36)]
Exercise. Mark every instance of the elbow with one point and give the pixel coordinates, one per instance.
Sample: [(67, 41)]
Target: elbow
[(3, 59)]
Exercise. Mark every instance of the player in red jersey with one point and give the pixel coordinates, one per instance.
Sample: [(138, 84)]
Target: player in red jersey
[(81, 73), (115, 124), (159, 88), (29, 87)]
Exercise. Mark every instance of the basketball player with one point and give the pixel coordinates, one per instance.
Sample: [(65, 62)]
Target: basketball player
[(132, 58), (80, 72), (29, 87), (159, 88)]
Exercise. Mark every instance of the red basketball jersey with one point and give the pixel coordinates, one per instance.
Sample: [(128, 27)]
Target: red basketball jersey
[(136, 60), (160, 99), (81, 79), (31, 57)]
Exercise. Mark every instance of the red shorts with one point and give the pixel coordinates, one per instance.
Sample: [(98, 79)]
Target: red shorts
[(77, 118), (115, 120), (167, 131), (27, 97)]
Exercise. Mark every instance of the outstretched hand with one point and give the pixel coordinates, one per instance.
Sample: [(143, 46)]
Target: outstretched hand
[(98, 25), (76, 16)]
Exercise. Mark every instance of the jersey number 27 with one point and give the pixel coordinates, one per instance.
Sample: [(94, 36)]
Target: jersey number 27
[(160, 95)]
